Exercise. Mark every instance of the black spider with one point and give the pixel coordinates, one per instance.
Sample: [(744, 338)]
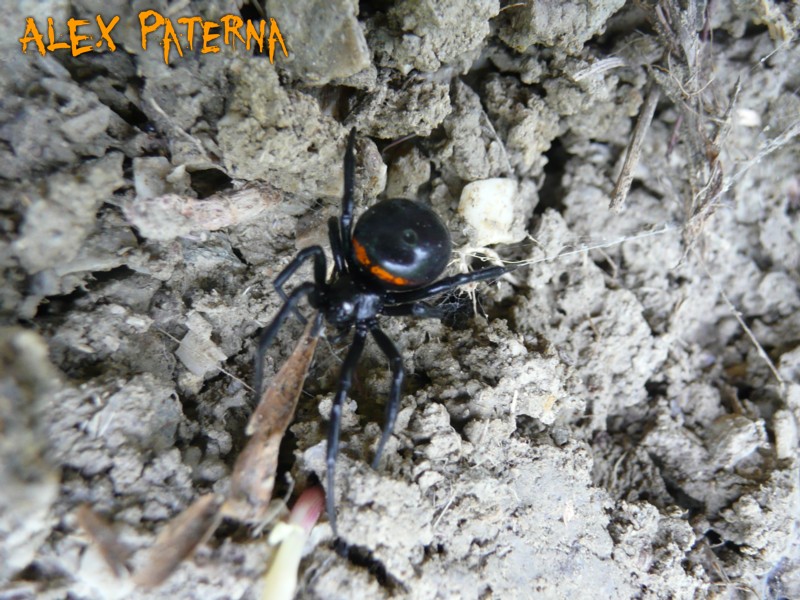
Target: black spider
[(387, 265)]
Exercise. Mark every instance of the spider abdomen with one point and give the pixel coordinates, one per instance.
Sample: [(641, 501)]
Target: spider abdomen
[(401, 244)]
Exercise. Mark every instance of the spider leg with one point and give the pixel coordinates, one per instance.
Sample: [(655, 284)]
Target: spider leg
[(346, 218), (320, 270), (445, 285), (304, 289), (421, 310), (398, 376), (345, 381), (335, 238)]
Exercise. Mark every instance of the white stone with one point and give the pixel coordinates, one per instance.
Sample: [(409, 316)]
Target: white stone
[(488, 207), (785, 428)]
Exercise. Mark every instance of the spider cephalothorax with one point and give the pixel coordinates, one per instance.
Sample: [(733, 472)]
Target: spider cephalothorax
[(387, 265)]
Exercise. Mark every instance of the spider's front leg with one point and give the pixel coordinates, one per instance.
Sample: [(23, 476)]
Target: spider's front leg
[(320, 270), (345, 382), (346, 218), (268, 335), (340, 229), (335, 237)]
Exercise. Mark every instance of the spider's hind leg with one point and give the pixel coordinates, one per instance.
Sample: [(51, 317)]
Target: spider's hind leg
[(398, 376), (445, 285), (345, 382), (421, 310)]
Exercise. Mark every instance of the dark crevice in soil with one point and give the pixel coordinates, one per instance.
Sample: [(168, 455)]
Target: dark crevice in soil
[(682, 498), (209, 181), (238, 254), (656, 389), (54, 307), (416, 381), (117, 67), (551, 194), (286, 461)]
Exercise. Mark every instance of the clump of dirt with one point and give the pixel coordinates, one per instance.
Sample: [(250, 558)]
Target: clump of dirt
[(616, 418)]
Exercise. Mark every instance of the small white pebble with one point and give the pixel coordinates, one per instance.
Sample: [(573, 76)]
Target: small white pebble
[(747, 117), (785, 428), (488, 207)]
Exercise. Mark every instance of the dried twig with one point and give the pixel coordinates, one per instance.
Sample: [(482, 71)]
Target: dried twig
[(686, 79), (599, 67), (634, 150)]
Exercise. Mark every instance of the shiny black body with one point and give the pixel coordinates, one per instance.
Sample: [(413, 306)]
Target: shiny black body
[(387, 266), (406, 240)]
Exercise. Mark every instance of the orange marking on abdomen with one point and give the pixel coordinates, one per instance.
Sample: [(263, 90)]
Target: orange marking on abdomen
[(379, 272)]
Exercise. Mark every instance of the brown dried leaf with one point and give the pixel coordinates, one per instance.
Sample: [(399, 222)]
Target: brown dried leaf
[(254, 474), (179, 539), (113, 551)]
